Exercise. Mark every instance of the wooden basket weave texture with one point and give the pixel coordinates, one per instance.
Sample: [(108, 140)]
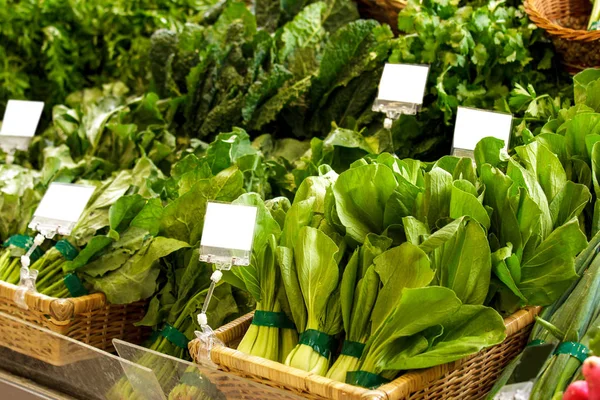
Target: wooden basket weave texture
[(385, 11), (565, 21), (88, 319), (469, 378)]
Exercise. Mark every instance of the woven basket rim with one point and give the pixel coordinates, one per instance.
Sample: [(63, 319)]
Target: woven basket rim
[(59, 309), (402, 386), (554, 29)]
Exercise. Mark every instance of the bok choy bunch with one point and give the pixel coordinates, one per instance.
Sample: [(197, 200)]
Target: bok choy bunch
[(272, 334), (358, 294), (402, 336), (309, 256), (318, 280)]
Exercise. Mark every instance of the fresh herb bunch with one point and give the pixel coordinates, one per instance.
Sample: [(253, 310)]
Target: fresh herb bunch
[(52, 48), (477, 52)]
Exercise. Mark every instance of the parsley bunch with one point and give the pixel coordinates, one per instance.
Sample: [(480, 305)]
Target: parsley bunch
[(477, 52)]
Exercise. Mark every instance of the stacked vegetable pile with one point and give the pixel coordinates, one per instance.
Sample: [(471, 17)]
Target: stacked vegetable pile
[(137, 237), (283, 94), (52, 48), (573, 318), (296, 80), (478, 51), (362, 251)]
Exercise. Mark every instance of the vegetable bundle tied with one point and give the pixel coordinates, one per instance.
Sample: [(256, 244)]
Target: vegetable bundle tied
[(402, 337), (317, 275), (358, 293), (272, 335), (51, 280)]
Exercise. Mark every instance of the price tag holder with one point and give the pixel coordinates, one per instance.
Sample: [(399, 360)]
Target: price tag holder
[(58, 213), (401, 90), (19, 124), (226, 241), (227, 234), (60, 208), (472, 125)]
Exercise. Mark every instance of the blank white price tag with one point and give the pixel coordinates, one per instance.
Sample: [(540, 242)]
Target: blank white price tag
[(228, 233), (229, 226), (61, 207), (21, 118), (472, 125), (403, 83)]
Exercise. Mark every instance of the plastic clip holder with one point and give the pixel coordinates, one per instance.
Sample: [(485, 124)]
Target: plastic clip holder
[(208, 340), (26, 284), (226, 241)]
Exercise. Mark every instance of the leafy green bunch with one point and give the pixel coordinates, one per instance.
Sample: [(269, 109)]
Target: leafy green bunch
[(477, 51), (503, 232), (295, 80), (104, 129), (52, 48), (569, 131)]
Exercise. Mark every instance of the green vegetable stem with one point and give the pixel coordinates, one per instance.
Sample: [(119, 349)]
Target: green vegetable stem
[(318, 277), (358, 294)]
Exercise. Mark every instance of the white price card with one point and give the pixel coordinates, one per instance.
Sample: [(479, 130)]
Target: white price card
[(472, 125), (61, 207), (21, 118), (403, 83), (228, 233)]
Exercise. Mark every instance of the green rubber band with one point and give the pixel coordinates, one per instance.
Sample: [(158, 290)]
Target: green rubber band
[(75, 286), (536, 342), (352, 349), (319, 341), (24, 242), (21, 241), (193, 379), (174, 336), (574, 349), (365, 379), (66, 249), (272, 319)]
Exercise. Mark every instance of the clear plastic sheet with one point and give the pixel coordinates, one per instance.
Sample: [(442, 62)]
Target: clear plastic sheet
[(86, 373), (184, 380), (518, 391)]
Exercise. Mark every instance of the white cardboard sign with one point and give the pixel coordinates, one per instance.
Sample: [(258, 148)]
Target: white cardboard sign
[(21, 118), (229, 226), (472, 125), (404, 83), (64, 202)]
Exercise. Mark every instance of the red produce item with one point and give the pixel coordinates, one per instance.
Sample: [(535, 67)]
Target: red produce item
[(577, 390), (591, 371)]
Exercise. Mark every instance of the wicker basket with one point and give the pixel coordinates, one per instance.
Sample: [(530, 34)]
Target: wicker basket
[(566, 24), (88, 319), (469, 378), (385, 11)]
